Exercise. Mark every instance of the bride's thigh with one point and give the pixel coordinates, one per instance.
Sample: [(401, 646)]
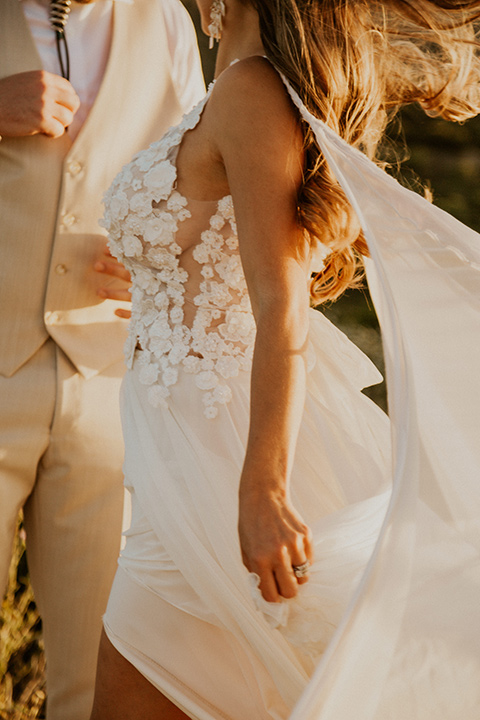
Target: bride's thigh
[(123, 693)]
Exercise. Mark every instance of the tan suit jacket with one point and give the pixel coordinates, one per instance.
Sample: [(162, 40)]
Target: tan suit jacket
[(51, 190)]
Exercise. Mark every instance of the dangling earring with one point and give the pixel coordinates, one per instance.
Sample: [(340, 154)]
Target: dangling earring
[(217, 13)]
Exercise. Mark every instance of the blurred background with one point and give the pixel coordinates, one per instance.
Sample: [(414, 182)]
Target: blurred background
[(441, 156)]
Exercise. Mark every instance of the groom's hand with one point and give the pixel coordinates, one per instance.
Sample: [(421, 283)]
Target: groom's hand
[(36, 102), (108, 265)]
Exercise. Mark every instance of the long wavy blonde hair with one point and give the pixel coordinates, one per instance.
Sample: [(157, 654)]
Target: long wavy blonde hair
[(354, 63)]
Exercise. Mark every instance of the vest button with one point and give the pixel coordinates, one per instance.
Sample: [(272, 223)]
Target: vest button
[(60, 269), (69, 220), (74, 167)]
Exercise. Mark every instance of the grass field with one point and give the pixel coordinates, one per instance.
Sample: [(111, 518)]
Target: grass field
[(22, 663)]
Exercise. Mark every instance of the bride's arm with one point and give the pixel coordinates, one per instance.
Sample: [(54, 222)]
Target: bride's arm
[(260, 143)]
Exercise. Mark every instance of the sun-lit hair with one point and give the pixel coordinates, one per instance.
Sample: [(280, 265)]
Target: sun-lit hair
[(354, 63)]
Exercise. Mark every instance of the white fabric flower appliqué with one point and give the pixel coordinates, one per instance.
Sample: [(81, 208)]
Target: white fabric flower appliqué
[(143, 213)]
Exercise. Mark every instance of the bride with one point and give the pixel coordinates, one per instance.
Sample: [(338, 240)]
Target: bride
[(351, 586)]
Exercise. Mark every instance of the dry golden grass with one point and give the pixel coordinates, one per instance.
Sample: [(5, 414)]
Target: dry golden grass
[(22, 662)]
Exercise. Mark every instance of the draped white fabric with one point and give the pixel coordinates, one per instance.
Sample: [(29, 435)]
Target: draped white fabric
[(414, 624), (183, 545)]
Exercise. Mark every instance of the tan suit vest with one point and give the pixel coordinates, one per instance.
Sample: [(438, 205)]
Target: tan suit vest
[(51, 190)]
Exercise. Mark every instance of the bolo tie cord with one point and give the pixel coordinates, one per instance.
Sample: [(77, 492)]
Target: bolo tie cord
[(59, 10)]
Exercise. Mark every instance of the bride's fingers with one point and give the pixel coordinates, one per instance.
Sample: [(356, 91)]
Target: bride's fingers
[(303, 579), (268, 586), (277, 579), (274, 562), (286, 580), (302, 558), (302, 574), (308, 544), (308, 553)]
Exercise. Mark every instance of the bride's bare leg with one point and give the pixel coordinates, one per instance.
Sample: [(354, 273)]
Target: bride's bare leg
[(122, 693)]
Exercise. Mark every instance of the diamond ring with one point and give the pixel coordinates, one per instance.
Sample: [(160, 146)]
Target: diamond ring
[(301, 570)]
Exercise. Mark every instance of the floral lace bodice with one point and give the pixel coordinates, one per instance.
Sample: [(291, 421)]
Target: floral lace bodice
[(190, 307)]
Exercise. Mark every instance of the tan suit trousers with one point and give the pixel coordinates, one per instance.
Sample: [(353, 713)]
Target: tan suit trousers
[(61, 455)]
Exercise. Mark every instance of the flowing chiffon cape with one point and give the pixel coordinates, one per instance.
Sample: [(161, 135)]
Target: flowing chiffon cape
[(422, 585)]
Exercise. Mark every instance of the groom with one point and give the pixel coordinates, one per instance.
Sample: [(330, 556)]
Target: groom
[(134, 70)]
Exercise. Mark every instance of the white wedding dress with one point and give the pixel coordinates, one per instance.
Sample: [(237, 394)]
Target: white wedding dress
[(388, 627)]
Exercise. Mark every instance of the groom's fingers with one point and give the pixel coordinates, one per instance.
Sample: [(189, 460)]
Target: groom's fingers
[(110, 266), (122, 294), (122, 313)]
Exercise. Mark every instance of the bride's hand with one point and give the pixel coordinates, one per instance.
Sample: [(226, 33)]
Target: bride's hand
[(274, 539)]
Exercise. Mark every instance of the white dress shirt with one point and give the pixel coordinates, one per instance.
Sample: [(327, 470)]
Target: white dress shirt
[(88, 32)]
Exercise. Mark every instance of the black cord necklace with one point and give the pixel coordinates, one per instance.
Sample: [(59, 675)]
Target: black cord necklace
[(59, 10)]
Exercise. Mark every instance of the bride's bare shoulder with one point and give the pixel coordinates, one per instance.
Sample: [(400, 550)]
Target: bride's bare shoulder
[(255, 72), (250, 97)]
